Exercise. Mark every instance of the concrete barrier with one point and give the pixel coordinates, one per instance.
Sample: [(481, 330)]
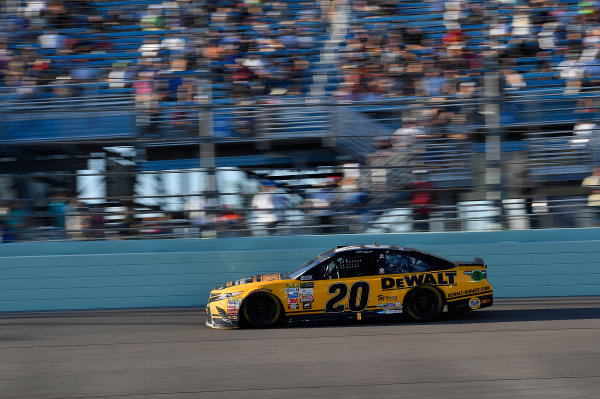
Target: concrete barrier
[(157, 273)]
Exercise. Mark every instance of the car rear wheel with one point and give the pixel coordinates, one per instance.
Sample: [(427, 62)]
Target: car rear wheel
[(261, 311), (424, 303)]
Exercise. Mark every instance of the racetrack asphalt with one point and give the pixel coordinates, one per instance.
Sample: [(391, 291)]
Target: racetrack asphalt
[(519, 348)]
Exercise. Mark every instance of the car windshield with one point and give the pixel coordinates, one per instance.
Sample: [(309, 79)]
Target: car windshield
[(308, 265)]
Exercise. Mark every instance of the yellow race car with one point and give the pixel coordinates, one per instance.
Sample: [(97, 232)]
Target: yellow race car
[(353, 282)]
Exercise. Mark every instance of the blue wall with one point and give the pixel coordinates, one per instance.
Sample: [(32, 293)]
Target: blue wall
[(149, 273)]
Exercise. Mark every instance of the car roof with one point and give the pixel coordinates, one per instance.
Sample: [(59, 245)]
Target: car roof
[(370, 246)]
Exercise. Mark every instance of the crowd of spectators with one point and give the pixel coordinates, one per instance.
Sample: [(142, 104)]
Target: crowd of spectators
[(256, 49), (170, 55), (391, 49), (265, 52), (56, 42)]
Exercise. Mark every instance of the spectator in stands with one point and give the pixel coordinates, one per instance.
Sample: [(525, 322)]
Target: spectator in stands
[(230, 223), (453, 15), (121, 75), (586, 135), (521, 21), (404, 137), (269, 207), (351, 201), (195, 212), (76, 220), (244, 121), (14, 74), (422, 201), (592, 184), (319, 201), (57, 213), (16, 222), (572, 70), (146, 99), (96, 222), (129, 224), (547, 36), (512, 80), (433, 81), (438, 116), (52, 40)]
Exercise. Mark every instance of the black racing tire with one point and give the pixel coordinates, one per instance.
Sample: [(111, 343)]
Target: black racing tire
[(424, 303), (261, 311)]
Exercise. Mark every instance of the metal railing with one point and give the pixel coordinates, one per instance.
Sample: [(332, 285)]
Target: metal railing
[(70, 220)]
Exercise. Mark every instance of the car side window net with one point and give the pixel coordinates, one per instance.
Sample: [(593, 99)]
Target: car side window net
[(356, 265)]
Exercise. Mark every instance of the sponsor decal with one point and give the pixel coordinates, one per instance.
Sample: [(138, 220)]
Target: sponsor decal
[(293, 295), (477, 275), (389, 311), (414, 280), (306, 295), (469, 292), (289, 288), (304, 278), (307, 285), (383, 298), (474, 303), (390, 308), (233, 306), (292, 306), (393, 311), (382, 270), (307, 305), (487, 300)]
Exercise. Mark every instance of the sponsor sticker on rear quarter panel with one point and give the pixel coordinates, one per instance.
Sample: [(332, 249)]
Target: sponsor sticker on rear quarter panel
[(474, 303)]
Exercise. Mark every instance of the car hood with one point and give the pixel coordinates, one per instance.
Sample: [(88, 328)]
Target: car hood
[(253, 279)]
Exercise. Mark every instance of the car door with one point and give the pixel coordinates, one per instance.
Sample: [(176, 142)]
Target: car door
[(343, 282)]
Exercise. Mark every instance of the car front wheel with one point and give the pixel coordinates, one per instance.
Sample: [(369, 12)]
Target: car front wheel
[(261, 311)]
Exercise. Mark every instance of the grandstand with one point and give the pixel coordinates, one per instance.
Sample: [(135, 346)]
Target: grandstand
[(442, 92)]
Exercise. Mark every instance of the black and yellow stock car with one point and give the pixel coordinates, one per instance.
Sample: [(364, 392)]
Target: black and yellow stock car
[(356, 282)]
